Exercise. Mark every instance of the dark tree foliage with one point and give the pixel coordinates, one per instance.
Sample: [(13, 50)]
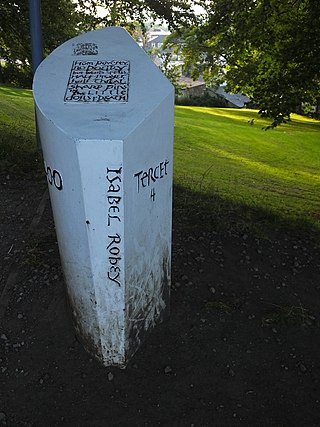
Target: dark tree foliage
[(60, 21), (122, 12), (63, 19), (268, 49)]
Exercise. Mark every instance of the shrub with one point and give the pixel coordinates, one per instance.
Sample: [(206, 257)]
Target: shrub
[(202, 101), (14, 75)]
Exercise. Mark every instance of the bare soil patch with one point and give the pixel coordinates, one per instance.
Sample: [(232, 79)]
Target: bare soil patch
[(241, 346)]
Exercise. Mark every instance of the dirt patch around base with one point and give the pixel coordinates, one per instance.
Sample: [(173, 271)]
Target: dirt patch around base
[(241, 346)]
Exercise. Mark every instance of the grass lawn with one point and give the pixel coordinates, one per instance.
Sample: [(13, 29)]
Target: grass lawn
[(17, 131), (241, 346), (272, 174), (224, 167)]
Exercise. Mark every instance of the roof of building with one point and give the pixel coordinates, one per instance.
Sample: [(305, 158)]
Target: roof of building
[(189, 82), (238, 99), (158, 39)]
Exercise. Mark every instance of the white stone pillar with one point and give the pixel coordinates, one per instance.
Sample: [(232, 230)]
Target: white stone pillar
[(105, 116)]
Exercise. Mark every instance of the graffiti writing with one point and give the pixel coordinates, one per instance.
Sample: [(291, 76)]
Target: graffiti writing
[(54, 177), (85, 49), (145, 178), (98, 81), (114, 258), (113, 194), (114, 206), (152, 194)]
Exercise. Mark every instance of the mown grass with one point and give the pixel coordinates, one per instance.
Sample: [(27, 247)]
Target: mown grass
[(267, 175), (18, 150), (226, 169)]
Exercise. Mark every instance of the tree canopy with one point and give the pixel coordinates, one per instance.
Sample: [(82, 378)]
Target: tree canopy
[(267, 49), (63, 19), (122, 12), (60, 21)]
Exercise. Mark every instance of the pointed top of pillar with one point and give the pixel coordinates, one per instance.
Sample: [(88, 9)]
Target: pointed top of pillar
[(99, 85)]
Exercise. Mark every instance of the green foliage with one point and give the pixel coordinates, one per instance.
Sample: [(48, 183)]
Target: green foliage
[(201, 101), (167, 66), (64, 19), (60, 21), (268, 50), (15, 74), (120, 12)]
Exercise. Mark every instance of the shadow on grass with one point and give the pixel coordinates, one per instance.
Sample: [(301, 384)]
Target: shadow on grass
[(252, 118), (12, 91), (18, 152), (207, 211)]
